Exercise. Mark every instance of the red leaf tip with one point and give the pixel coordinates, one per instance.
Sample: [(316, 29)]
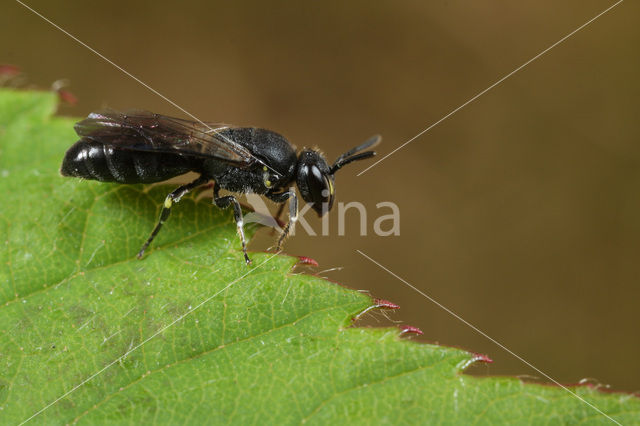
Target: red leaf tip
[(410, 329), (9, 70), (385, 304), (67, 97), (304, 260), (482, 358)]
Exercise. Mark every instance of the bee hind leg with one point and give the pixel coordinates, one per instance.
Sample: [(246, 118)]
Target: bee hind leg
[(171, 199)]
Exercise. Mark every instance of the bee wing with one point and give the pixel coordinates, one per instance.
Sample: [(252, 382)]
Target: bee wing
[(145, 131)]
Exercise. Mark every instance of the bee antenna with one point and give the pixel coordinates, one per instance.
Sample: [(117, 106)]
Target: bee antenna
[(344, 161), (354, 154)]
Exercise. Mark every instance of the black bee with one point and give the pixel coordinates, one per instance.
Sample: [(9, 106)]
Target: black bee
[(142, 147)]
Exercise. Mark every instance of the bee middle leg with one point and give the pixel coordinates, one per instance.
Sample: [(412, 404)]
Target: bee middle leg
[(223, 202), (171, 199)]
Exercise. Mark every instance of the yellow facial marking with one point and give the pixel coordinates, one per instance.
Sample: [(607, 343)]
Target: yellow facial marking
[(330, 186), (265, 177), (168, 203)]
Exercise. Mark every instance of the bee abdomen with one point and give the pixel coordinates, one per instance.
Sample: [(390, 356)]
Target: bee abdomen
[(90, 159)]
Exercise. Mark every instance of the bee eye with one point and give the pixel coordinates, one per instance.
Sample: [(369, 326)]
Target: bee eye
[(315, 181), (318, 186)]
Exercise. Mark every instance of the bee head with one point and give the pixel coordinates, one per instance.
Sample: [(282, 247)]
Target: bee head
[(315, 178), (315, 181)]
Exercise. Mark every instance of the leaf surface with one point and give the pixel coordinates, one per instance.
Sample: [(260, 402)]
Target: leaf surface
[(191, 334)]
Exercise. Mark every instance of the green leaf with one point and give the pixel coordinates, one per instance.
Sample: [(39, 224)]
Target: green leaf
[(191, 334)]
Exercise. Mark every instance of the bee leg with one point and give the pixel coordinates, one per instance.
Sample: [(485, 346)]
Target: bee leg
[(172, 198), (293, 213), (223, 202), (277, 217)]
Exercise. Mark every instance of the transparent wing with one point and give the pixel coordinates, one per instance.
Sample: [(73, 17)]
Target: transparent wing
[(146, 131)]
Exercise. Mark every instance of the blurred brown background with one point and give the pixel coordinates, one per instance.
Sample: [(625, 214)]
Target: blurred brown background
[(520, 212)]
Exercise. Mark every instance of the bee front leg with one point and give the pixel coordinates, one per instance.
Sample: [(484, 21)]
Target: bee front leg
[(223, 202), (171, 199), (293, 213)]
